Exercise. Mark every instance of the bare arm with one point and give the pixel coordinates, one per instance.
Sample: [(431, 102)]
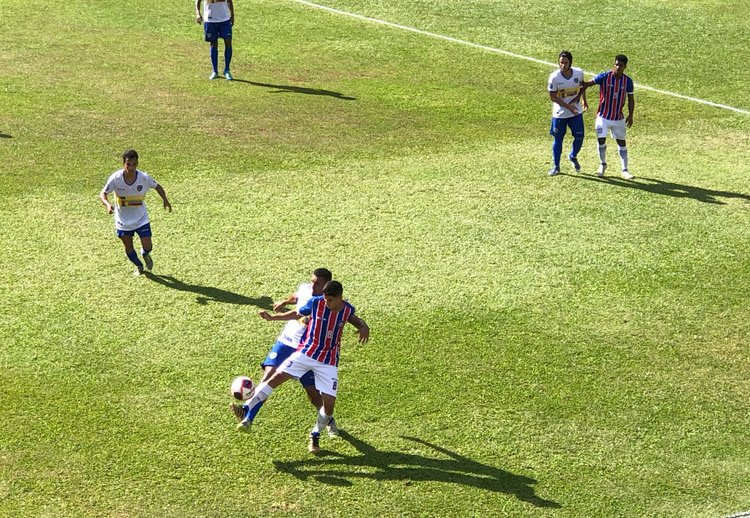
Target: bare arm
[(362, 328), (231, 11), (103, 197), (631, 105), (555, 99), (198, 17), (163, 195), (292, 314), (291, 299)]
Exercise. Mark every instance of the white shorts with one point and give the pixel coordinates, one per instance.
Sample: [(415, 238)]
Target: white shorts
[(326, 376), (616, 128)]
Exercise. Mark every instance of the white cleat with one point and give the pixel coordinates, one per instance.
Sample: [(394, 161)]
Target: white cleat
[(600, 171), (627, 175)]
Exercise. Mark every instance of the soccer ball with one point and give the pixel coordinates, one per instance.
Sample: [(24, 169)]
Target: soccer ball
[(242, 388)]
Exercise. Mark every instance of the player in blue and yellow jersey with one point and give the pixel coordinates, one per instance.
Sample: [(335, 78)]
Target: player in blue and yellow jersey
[(318, 352), (564, 87), (218, 20), (614, 86), (130, 187)]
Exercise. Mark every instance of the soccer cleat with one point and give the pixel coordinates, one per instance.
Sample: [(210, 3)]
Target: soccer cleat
[(138, 272), (149, 262), (554, 171), (627, 175), (228, 75), (313, 446), (213, 75), (244, 426), (600, 171), (574, 161), (333, 429), (238, 411)]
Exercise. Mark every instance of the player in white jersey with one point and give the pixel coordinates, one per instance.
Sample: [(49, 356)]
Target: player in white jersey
[(564, 87), (218, 20), (130, 187), (289, 339)]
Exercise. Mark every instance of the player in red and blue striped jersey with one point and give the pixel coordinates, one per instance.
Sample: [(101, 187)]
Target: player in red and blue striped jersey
[(614, 87), (318, 352)]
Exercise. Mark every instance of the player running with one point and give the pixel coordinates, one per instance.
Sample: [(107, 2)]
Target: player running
[(130, 187)]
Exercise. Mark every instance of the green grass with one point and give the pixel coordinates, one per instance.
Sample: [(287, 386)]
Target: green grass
[(567, 347)]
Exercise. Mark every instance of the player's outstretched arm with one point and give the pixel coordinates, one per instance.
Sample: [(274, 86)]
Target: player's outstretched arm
[(289, 315), (362, 328), (291, 299)]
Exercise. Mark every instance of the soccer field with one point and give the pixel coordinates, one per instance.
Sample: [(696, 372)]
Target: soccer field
[(569, 347)]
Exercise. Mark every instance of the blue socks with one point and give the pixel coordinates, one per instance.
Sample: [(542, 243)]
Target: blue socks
[(133, 256), (227, 58), (215, 58)]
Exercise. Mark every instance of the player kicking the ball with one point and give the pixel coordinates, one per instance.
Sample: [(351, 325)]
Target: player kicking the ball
[(318, 352), (130, 187), (289, 340)]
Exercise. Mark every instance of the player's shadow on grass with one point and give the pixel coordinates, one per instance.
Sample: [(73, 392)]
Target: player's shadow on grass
[(668, 188), (298, 90), (4, 135), (207, 294), (337, 469)]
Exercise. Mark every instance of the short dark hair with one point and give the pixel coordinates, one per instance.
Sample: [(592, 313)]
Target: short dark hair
[(622, 58), (323, 273), (333, 289), (130, 153), (566, 54)]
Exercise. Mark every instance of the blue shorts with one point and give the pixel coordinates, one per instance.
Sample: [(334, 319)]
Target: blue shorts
[(214, 31), (575, 124), (144, 231), (278, 354)]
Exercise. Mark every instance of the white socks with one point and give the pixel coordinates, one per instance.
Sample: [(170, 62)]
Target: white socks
[(623, 156)]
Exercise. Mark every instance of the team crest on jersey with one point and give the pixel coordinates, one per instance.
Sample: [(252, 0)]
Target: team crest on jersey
[(575, 80), (139, 188)]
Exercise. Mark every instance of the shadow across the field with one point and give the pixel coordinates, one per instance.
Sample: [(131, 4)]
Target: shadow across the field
[(298, 90), (337, 469), (4, 135), (667, 188), (208, 294)]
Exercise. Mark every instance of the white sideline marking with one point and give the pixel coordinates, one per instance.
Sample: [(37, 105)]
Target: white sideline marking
[(506, 53)]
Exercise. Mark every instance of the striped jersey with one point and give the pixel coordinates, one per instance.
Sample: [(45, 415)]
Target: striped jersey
[(324, 330), (130, 208), (612, 94)]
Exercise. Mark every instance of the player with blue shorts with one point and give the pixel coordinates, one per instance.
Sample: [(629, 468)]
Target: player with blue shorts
[(218, 20), (130, 186), (564, 87), (288, 341)]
